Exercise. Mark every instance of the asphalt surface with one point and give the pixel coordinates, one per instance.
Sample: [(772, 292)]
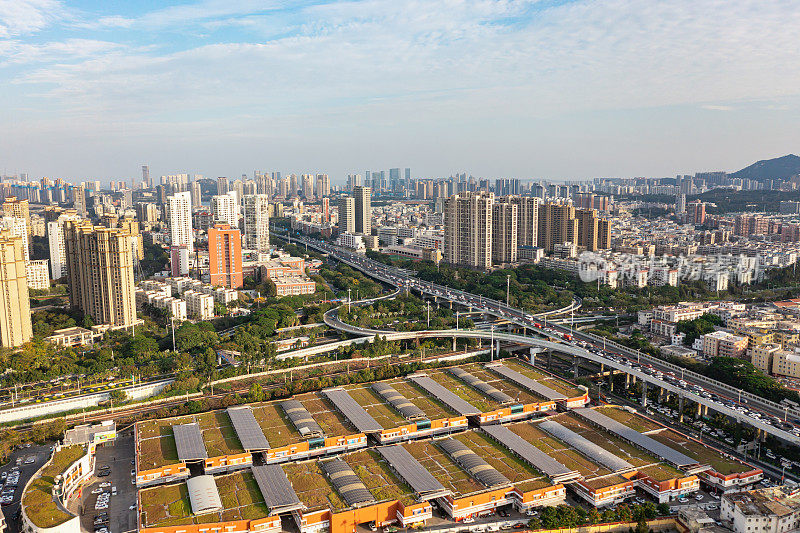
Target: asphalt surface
[(40, 455), (118, 455)]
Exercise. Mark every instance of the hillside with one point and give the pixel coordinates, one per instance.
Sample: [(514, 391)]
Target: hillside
[(779, 168)]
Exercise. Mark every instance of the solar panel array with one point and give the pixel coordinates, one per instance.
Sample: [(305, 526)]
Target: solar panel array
[(631, 435), (347, 483), (350, 408), (189, 442), (472, 463), (247, 429), (301, 418), (529, 453), (408, 410), (444, 395), (412, 472), (474, 381), (530, 384), (276, 489), (591, 450)]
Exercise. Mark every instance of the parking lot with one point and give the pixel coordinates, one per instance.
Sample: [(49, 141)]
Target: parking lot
[(26, 461), (115, 458)]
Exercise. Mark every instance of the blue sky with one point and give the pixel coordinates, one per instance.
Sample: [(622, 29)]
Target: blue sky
[(531, 89)]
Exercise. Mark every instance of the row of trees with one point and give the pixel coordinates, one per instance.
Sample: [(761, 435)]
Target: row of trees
[(567, 516)]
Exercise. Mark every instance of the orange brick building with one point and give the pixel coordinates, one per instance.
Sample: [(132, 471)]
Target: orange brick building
[(225, 256)]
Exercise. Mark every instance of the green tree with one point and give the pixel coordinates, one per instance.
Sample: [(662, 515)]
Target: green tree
[(256, 393)]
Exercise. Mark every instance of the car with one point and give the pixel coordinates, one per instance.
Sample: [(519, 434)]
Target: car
[(132, 507), (699, 497), (105, 484), (97, 491), (715, 496), (133, 472), (469, 520), (372, 526)]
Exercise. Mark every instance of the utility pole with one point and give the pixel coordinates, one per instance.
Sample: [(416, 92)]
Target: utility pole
[(428, 304), (456, 319), (508, 289), (348, 300), (172, 320)]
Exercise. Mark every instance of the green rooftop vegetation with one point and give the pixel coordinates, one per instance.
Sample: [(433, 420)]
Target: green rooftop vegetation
[(379, 479), (703, 454), (442, 467), (548, 380), (169, 505), (38, 500), (632, 420)]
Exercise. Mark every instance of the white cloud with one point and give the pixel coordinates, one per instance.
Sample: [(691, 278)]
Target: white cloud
[(18, 17), (712, 107)]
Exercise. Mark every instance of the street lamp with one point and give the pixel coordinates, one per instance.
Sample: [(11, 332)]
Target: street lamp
[(508, 290)]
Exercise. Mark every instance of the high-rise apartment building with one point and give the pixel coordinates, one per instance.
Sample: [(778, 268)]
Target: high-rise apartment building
[(100, 272), (696, 212), (308, 186), (222, 185), (557, 225), (353, 180), (588, 231), (468, 229), (347, 215), (197, 194), (505, 230), (363, 209), (14, 207), (323, 185), (79, 199), (179, 219), (55, 241), (15, 313), (680, 204), (225, 256), (527, 219), (224, 209), (256, 222)]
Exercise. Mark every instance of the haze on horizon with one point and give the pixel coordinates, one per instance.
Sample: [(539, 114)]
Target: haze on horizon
[(550, 89)]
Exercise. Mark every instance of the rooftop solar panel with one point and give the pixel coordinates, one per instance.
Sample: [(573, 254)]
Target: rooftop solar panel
[(631, 435), (444, 395), (474, 381), (247, 428), (472, 463), (353, 411), (530, 384), (412, 472), (276, 489), (530, 453), (408, 410), (586, 447), (189, 442), (301, 418), (347, 483)]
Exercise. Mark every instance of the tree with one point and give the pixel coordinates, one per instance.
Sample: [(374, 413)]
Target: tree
[(663, 509), (641, 526), (256, 393)]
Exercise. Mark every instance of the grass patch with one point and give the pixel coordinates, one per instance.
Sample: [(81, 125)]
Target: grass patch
[(38, 501)]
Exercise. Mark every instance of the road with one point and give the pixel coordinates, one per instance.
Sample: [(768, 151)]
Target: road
[(724, 398), (40, 455)]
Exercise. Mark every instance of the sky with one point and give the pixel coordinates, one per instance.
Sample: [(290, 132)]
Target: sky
[(551, 89)]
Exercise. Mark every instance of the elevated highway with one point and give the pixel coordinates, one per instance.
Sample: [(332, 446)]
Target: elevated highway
[(580, 344)]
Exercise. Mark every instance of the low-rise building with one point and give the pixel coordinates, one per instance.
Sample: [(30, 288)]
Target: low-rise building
[(769, 510), (38, 274), (199, 305), (724, 344)]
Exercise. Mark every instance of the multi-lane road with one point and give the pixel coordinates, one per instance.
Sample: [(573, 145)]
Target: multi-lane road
[(773, 418)]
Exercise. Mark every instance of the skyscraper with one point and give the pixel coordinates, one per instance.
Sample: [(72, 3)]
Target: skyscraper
[(588, 230), (146, 176), (468, 229), (308, 186), (15, 313), (256, 222), (347, 215), (225, 256), (100, 272), (179, 218), (323, 185), (14, 207), (363, 210)]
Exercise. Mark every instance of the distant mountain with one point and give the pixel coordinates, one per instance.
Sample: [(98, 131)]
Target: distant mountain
[(780, 168)]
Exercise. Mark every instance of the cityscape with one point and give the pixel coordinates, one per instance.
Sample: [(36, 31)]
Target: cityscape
[(224, 310)]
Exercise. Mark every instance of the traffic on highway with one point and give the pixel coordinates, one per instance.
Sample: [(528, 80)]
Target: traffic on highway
[(780, 420)]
